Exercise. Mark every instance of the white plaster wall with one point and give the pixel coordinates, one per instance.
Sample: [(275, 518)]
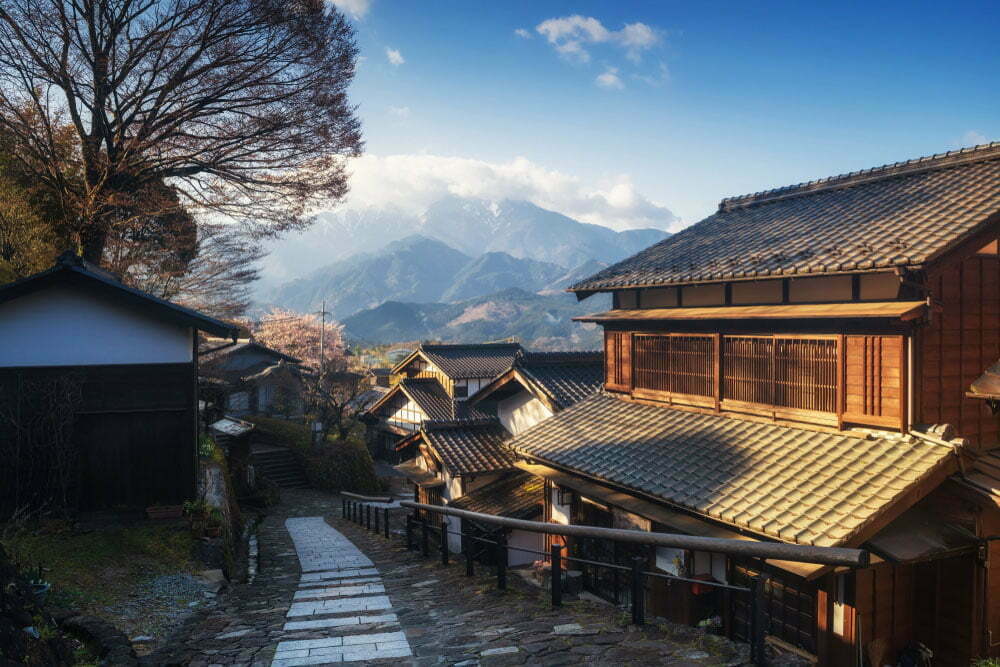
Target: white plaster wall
[(558, 513), (521, 411), (527, 540), (63, 326)]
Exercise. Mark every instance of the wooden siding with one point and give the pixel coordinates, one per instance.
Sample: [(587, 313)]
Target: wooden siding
[(134, 432), (618, 360), (931, 602), (875, 381), (962, 340)]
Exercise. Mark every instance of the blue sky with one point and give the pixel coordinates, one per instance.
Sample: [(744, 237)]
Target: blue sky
[(648, 106)]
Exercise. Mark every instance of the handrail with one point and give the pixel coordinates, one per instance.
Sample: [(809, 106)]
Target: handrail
[(367, 499), (802, 553)]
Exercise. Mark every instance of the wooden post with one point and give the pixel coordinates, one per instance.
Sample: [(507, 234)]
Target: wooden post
[(758, 620), (343, 508), (556, 575), (385, 522), (424, 544), (444, 542), (500, 556), (469, 567), (638, 594), (377, 527)]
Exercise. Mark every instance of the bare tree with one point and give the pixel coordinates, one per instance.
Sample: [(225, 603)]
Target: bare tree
[(240, 106), (334, 398)]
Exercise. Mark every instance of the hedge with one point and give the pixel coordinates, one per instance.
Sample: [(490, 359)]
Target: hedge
[(334, 466)]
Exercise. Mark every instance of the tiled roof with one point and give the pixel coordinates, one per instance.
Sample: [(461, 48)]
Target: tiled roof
[(484, 360), (898, 215), (793, 484), (468, 449), (517, 496), (567, 377), (218, 353), (437, 404), (987, 385)]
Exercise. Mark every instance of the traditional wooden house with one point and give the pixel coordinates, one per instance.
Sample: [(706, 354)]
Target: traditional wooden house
[(794, 368), (432, 384), (118, 368), (255, 378), (540, 384), (453, 459)]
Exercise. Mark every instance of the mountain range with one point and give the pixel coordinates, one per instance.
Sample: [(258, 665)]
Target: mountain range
[(464, 270)]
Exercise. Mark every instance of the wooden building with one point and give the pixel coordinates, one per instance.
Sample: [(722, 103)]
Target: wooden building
[(795, 368), (431, 384), (255, 379), (126, 367), (538, 385)]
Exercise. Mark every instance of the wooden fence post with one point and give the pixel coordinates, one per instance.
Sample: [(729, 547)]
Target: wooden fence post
[(556, 575), (758, 620), (444, 542), (424, 545), (500, 556), (638, 594), (385, 516)]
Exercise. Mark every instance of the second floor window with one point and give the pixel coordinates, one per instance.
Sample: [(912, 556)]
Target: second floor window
[(782, 371), (677, 364)]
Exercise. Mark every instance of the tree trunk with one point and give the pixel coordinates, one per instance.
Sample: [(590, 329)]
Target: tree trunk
[(93, 240)]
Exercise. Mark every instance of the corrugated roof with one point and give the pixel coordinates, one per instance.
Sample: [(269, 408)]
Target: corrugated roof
[(793, 484), (517, 496), (469, 449), (902, 214), (472, 361)]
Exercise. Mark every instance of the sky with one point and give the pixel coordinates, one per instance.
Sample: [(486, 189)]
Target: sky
[(636, 114)]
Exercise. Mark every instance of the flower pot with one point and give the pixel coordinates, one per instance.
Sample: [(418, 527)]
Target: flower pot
[(164, 512)]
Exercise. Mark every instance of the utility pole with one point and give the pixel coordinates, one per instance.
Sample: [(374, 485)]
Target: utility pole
[(322, 336)]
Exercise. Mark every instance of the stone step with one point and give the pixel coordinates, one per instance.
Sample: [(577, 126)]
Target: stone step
[(339, 606), (338, 574), (375, 646), (310, 585), (343, 622), (339, 592)]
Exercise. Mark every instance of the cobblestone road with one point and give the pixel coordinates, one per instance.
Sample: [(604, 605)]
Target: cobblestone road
[(443, 617)]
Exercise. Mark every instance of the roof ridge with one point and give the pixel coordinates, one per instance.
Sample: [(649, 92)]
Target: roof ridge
[(981, 152), (458, 346)]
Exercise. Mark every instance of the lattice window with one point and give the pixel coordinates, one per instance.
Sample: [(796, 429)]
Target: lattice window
[(618, 360), (798, 373), (677, 364)]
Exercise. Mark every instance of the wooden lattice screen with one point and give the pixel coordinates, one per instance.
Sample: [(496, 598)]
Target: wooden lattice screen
[(618, 360), (676, 364), (798, 373)]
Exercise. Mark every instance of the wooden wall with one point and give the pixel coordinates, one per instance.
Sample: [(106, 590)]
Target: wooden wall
[(962, 340), (134, 431), (874, 381), (931, 602)]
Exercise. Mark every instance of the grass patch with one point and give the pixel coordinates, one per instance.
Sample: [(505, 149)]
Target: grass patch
[(102, 567)]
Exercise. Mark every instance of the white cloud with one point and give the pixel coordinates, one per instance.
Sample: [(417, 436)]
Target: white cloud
[(394, 56), (610, 79), (400, 113), (974, 138), (661, 76), (354, 8), (411, 183), (569, 35), (522, 33)]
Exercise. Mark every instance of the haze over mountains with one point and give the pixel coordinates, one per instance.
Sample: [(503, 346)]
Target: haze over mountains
[(466, 269)]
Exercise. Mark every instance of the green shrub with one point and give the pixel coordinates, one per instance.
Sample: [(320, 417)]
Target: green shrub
[(334, 466)]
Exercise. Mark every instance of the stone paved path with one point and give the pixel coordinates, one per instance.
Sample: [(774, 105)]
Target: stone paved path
[(444, 617), (338, 592)]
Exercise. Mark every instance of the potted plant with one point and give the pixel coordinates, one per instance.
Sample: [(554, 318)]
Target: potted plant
[(215, 523), (164, 511)]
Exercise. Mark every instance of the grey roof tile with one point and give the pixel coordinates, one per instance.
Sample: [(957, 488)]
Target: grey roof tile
[(898, 215), (808, 486), (468, 449)]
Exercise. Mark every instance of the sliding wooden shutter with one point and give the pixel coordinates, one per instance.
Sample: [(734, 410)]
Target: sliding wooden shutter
[(618, 360), (875, 381)]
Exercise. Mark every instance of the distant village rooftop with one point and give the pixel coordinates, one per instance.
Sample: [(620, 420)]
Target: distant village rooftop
[(899, 215), (460, 361)]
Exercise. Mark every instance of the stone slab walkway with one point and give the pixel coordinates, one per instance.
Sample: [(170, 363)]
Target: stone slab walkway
[(338, 589), (445, 618)]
